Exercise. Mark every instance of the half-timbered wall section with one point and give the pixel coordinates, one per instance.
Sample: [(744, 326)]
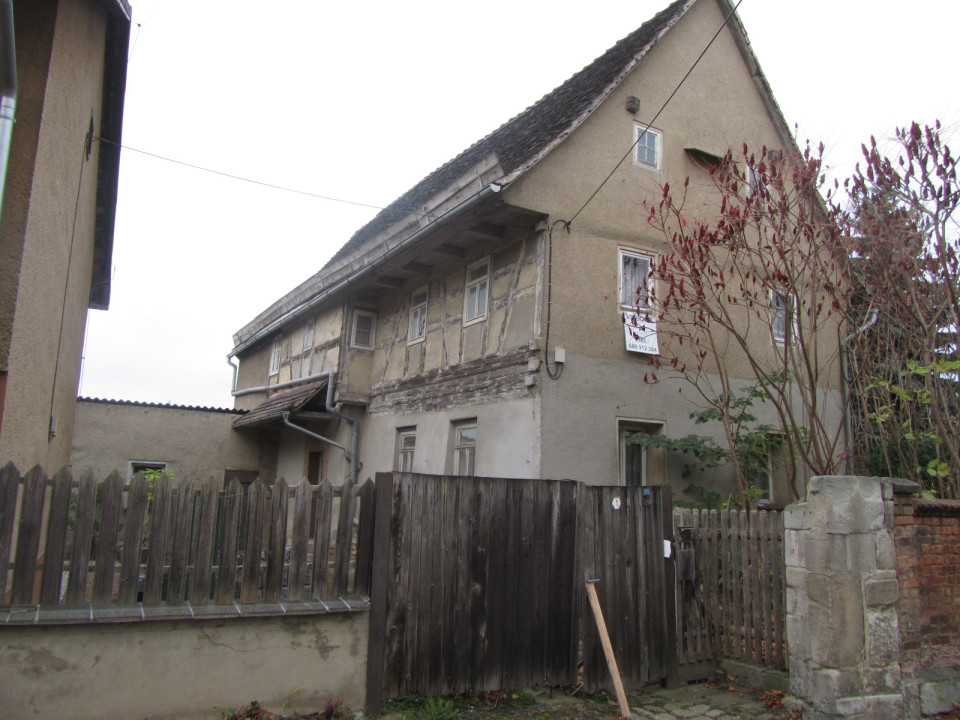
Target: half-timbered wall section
[(458, 360)]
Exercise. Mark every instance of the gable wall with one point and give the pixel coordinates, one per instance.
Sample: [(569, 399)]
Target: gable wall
[(718, 107)]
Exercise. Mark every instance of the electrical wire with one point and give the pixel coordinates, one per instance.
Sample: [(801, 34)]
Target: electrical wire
[(647, 126), (238, 177)]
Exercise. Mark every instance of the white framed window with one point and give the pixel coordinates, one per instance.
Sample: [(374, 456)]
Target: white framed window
[(635, 282), (308, 336), (153, 469), (475, 292), (783, 317), (757, 187), (275, 355), (363, 336), (418, 316), (648, 146), (406, 445), (465, 447)]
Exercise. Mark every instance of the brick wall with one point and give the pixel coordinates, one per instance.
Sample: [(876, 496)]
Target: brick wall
[(927, 538)]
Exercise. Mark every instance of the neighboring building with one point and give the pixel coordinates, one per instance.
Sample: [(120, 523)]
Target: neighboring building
[(463, 330), (59, 199), (194, 443)]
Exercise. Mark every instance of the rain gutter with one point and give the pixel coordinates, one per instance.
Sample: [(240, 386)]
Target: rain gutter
[(471, 202)]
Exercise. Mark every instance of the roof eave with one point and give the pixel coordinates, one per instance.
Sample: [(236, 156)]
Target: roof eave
[(355, 274)]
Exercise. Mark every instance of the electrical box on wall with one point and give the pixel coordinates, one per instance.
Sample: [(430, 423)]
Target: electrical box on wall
[(559, 356)]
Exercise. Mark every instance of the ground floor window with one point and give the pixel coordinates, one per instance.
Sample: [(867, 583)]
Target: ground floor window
[(465, 447), (638, 465), (406, 445)]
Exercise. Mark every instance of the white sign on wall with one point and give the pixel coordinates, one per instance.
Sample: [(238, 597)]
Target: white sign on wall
[(640, 333)]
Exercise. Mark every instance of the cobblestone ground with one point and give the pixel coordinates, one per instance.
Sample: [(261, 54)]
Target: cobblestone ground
[(708, 702)]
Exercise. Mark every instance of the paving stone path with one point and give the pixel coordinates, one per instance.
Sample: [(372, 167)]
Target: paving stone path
[(704, 702)]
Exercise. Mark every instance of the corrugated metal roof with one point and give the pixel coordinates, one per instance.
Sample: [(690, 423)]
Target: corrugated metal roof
[(167, 406)]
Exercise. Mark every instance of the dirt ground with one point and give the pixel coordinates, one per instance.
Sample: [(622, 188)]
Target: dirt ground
[(557, 704)]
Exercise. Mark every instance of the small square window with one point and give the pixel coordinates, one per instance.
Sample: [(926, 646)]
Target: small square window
[(275, 355), (465, 448), (418, 316), (475, 292), (648, 147), (406, 445), (364, 330), (634, 280)]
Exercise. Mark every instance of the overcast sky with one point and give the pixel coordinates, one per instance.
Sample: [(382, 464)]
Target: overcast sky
[(359, 101)]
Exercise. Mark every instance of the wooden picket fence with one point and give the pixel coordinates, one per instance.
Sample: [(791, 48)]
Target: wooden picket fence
[(731, 593), (67, 542)]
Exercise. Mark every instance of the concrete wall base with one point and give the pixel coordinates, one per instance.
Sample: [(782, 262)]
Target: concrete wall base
[(183, 669)]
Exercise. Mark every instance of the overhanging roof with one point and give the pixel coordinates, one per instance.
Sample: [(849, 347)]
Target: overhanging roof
[(270, 411), (515, 147)]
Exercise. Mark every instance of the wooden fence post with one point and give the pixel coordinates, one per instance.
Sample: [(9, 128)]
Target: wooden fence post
[(377, 637)]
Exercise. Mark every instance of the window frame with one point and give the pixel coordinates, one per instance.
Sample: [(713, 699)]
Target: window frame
[(625, 426), (418, 311), (464, 451), (785, 314), (308, 335), (276, 357), (469, 284), (639, 131), (637, 255), (135, 466), (372, 316), (404, 456)]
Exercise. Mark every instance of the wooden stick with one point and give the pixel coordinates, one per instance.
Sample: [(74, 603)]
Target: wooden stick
[(608, 650)]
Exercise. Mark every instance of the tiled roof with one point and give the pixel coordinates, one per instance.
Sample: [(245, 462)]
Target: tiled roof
[(166, 406), (272, 408), (515, 144), (522, 138)]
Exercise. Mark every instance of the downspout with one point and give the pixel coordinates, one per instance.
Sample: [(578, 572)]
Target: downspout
[(333, 408), (8, 89), (844, 384)]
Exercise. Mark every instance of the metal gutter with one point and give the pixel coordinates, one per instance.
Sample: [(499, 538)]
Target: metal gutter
[(471, 202), (8, 89)]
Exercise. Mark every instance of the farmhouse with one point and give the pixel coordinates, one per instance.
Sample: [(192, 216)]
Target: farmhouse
[(476, 325)]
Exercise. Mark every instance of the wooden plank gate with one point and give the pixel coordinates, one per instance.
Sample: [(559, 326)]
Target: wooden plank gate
[(478, 584)]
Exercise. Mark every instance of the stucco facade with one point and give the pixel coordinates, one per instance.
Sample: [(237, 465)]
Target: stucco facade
[(441, 325), (56, 232), (189, 442)]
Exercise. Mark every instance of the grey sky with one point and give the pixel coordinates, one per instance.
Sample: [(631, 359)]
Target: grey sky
[(359, 101)]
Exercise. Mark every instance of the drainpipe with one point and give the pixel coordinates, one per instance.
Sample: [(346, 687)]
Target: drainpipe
[(844, 384), (333, 408), (8, 88)]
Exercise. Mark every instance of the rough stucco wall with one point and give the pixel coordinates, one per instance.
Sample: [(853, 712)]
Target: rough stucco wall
[(197, 444), (44, 359), (718, 107), (183, 669), (508, 439)]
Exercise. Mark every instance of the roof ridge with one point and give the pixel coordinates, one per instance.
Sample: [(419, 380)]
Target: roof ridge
[(517, 144)]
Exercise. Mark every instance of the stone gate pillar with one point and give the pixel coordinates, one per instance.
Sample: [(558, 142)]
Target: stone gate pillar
[(842, 592)]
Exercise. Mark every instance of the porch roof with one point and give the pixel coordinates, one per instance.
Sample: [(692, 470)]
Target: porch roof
[(296, 400)]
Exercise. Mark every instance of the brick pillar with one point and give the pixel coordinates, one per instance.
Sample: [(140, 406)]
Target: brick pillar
[(842, 593)]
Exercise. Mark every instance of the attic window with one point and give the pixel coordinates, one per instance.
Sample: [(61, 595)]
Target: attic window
[(648, 146), (703, 158)]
